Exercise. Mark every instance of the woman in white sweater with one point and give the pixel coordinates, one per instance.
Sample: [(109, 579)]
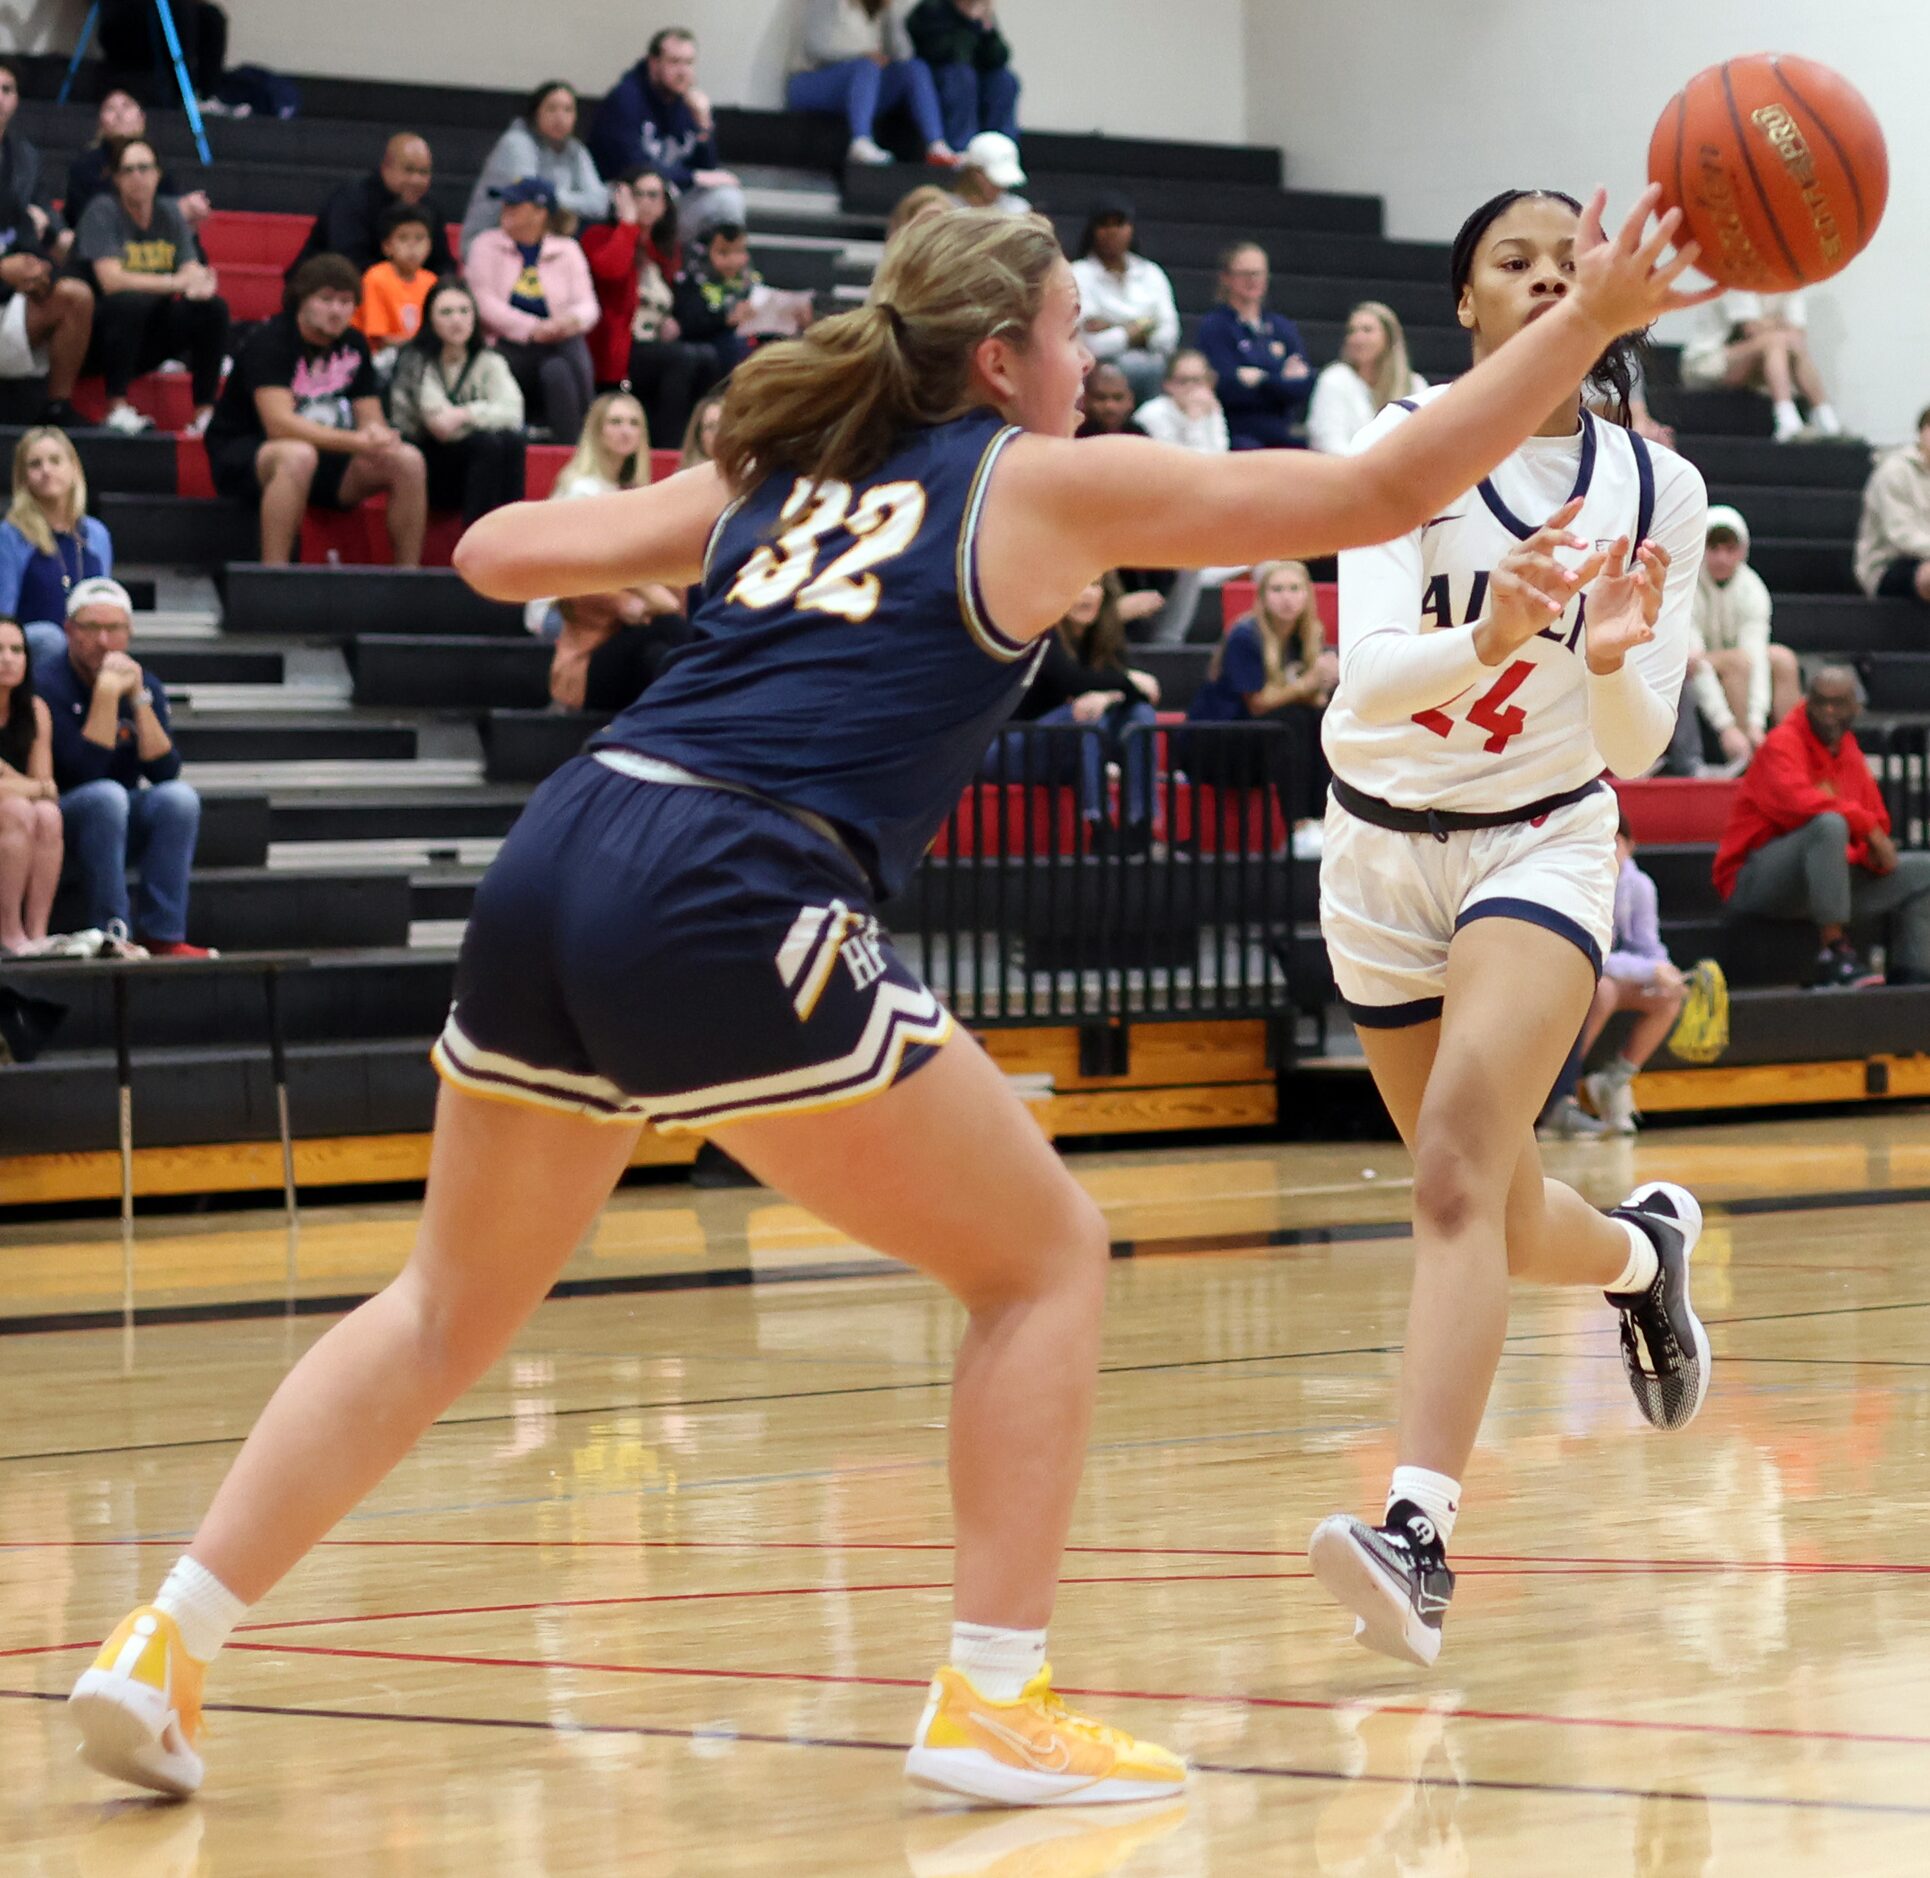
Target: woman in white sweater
[(855, 57), (1130, 318), (1371, 372), (542, 142)]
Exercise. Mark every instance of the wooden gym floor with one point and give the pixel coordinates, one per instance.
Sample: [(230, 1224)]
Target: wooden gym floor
[(661, 1595)]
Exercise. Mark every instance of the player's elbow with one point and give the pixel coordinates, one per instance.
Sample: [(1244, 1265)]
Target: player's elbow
[(487, 557), (1630, 758)]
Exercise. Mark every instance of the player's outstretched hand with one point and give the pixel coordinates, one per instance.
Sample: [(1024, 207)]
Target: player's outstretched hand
[(1624, 284), (1625, 604), (1530, 589)]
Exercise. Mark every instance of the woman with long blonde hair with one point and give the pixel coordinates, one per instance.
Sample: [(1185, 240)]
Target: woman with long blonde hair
[(612, 450), (49, 543), (1371, 372), (680, 930)]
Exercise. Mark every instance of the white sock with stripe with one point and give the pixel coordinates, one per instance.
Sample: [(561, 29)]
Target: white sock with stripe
[(998, 1663), (1437, 1495), (204, 1610)]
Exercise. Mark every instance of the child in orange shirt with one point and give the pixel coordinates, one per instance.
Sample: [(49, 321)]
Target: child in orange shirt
[(394, 290)]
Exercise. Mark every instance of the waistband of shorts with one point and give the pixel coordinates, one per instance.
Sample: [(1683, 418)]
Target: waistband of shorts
[(1440, 823), (654, 769)]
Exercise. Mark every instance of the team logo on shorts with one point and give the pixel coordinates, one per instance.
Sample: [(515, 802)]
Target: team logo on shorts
[(820, 938)]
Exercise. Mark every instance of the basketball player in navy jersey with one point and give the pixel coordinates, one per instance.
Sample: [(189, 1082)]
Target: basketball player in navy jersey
[(680, 928), (1530, 633)]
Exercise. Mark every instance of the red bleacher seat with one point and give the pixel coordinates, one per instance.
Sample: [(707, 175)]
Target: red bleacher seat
[(1230, 820), (989, 828), (1237, 599), (1678, 808), (546, 462), (164, 396)]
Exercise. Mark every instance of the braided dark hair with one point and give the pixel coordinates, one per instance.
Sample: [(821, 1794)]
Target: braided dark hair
[(1618, 371)]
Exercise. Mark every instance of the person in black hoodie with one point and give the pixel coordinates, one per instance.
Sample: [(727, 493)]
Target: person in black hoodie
[(350, 222)]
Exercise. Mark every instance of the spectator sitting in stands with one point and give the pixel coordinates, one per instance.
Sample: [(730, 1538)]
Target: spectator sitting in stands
[(90, 173), (396, 288), (49, 543), (612, 646), (1186, 413), (158, 298), (1108, 404), (129, 45), (301, 420), (122, 799), (1745, 339), (700, 434), (1809, 838), (989, 172), (542, 142), (23, 174), (1893, 538), (656, 115), (970, 65), (1258, 355), (855, 58), (350, 222), (458, 402), (612, 454), (537, 301), (46, 321), (1371, 372), (1638, 976), (30, 835), (722, 301), (636, 261), (1273, 666), (914, 205), (1084, 679), (1739, 683), (1130, 319)]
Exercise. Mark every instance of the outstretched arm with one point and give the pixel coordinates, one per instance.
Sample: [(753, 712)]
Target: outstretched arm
[(533, 549)]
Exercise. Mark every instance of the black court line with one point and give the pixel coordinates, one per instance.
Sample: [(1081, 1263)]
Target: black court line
[(1254, 1771)]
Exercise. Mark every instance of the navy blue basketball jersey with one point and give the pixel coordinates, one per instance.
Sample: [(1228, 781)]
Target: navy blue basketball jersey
[(843, 661)]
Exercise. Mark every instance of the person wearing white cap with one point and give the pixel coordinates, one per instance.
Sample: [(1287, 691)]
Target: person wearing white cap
[(989, 172), (1741, 683), (971, 65), (122, 799)]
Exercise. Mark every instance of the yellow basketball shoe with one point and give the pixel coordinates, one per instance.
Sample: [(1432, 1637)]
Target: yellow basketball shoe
[(139, 1707), (1032, 1752)]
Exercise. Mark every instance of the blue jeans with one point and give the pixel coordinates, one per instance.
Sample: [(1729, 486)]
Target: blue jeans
[(110, 827), (1051, 758), (861, 89), (974, 101)]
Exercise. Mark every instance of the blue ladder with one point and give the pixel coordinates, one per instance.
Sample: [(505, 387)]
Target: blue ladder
[(180, 63)]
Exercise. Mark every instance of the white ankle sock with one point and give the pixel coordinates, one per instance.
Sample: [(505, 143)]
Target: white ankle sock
[(204, 1610), (1435, 1494), (1643, 1260), (1824, 417), (1789, 420), (999, 1663)]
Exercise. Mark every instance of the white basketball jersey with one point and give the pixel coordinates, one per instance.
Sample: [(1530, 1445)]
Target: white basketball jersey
[(1522, 733)]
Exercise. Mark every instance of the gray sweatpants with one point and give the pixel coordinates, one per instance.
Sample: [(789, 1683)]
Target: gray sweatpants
[(1806, 874)]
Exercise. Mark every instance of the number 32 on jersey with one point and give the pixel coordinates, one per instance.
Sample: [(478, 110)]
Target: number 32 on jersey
[(882, 525)]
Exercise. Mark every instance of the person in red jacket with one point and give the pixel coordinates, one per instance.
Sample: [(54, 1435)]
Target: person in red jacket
[(1809, 838), (635, 261)]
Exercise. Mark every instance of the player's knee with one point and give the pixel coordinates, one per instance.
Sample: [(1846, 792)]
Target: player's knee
[(1447, 1189)]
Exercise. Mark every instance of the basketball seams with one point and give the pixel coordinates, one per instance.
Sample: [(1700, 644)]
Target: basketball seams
[(1829, 137), (1762, 194), (1681, 144)]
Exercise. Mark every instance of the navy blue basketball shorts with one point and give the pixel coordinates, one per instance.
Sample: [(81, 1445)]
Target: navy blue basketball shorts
[(683, 956)]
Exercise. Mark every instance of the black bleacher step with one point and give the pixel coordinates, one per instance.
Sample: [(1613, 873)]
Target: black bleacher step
[(1788, 1025), (1064, 896), (251, 909), (477, 814), (1712, 413), (799, 270), (1240, 208), (234, 831), (113, 464), (451, 671), (1098, 156), (186, 1097), (177, 531), (1848, 624), (1684, 883), (377, 993), (1771, 511), (443, 892), (1726, 460), (337, 602), (1790, 564), (1181, 670), (267, 739), (1898, 681), (526, 746), (178, 663)]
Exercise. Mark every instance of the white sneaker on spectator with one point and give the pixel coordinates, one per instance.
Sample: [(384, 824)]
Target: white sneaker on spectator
[(1613, 1102), (864, 150), (172, 365), (125, 421)]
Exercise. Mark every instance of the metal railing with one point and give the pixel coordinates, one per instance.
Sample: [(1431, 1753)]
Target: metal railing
[(1117, 872)]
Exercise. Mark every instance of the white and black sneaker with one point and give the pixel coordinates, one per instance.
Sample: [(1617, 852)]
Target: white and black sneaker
[(1665, 1350), (1394, 1577)]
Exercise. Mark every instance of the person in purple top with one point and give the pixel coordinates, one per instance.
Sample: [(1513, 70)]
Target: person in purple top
[(1637, 976)]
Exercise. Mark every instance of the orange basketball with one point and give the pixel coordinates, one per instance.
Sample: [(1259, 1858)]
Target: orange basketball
[(1778, 166)]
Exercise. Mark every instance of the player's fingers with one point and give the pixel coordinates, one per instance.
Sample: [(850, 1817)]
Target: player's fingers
[(1590, 568), (1629, 241), (1516, 590), (1650, 252), (1592, 234), (1679, 263), (1615, 558)]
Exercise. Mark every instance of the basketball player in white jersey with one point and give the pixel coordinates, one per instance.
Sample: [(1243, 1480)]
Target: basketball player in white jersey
[(1494, 663)]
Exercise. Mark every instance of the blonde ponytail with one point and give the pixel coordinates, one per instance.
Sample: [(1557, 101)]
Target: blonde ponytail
[(831, 404)]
